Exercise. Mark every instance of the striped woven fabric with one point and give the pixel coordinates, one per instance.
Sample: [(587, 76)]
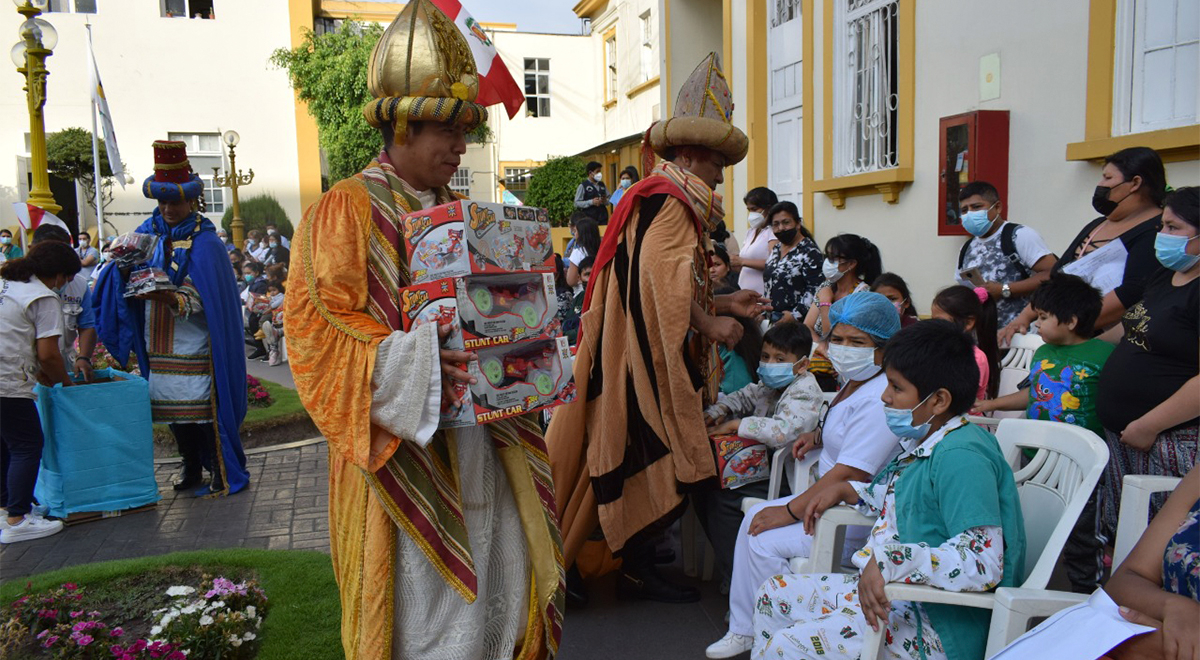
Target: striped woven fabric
[(180, 365)]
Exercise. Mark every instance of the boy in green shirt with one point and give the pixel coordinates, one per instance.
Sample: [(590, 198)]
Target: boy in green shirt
[(953, 522), (1064, 378)]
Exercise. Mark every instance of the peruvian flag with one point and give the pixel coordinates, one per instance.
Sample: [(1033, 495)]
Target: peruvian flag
[(496, 84), (31, 217)]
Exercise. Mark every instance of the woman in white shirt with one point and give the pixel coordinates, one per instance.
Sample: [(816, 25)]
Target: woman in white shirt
[(31, 321), (855, 444), (587, 244), (752, 258)]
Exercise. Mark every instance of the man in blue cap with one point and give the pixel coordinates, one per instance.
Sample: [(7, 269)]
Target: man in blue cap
[(188, 340)]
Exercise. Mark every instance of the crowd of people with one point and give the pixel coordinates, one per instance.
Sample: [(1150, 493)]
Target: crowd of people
[(685, 340)]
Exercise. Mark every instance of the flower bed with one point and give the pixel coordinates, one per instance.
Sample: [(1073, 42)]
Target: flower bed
[(217, 619), (256, 394)]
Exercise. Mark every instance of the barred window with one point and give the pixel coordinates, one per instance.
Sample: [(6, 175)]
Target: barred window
[(865, 86), (785, 10), (461, 181)]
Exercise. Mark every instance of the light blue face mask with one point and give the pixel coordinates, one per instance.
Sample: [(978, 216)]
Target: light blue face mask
[(900, 421), (976, 222), (1171, 251), (776, 375)]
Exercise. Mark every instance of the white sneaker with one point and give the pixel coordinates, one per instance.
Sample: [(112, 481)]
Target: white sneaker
[(732, 644), (29, 529)]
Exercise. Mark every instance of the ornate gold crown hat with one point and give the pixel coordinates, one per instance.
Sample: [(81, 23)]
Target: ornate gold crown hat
[(703, 116), (422, 69)]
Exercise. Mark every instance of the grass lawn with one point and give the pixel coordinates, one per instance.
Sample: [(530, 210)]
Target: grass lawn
[(303, 621)]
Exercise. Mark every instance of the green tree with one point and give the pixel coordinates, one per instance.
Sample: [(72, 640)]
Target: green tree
[(256, 212), (69, 157), (552, 186), (329, 73)]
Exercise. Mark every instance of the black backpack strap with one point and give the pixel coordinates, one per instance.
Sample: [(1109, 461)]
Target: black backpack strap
[(962, 254), (1008, 245)]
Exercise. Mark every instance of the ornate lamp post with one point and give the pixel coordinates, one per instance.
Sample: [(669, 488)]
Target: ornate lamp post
[(38, 39), (233, 181)]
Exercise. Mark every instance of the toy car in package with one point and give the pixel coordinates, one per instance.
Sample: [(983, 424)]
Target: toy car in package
[(436, 303), (520, 378), (470, 238), (486, 310), (147, 279), (133, 248)]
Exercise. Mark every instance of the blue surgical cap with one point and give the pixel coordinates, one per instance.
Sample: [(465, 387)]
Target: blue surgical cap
[(868, 311)]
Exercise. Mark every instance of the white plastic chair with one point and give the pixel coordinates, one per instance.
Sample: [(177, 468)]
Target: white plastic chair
[(1017, 608), (1053, 489), (1015, 367)]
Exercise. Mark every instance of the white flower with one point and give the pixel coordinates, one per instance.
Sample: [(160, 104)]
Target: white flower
[(180, 591), (188, 610), (235, 640), (156, 630), (219, 603), (206, 620), (250, 610), (167, 618), (249, 636)]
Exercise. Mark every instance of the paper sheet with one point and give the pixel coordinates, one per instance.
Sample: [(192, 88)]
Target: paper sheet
[(1104, 268), (1084, 632)]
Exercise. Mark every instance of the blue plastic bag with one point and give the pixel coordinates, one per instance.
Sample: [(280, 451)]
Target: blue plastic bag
[(99, 451)]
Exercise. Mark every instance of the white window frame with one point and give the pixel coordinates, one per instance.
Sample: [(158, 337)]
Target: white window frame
[(785, 10), (1128, 84), (162, 8), (649, 36), (540, 73), (192, 140), (610, 68), (854, 152), (461, 181), (71, 7), (218, 194)]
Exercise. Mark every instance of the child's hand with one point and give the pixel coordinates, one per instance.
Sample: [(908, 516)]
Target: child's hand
[(725, 428), (709, 420), (770, 518), (982, 406), (872, 597), (804, 444)]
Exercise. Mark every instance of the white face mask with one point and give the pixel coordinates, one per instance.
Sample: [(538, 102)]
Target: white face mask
[(83, 242), (599, 176), (755, 219), (830, 270), (853, 362)]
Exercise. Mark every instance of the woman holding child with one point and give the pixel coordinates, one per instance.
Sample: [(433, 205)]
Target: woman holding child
[(953, 522), (855, 444)]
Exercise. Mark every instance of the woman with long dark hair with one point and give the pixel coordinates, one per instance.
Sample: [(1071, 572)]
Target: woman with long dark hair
[(32, 318), (587, 244), (851, 264), (1129, 197), (793, 269)]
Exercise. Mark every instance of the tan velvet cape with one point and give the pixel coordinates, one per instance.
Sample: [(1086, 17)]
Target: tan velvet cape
[(634, 440)]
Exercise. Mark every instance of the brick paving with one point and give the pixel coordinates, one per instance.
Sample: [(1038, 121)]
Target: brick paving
[(285, 507)]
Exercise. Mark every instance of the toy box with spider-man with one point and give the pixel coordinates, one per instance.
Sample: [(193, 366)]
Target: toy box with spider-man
[(476, 238)]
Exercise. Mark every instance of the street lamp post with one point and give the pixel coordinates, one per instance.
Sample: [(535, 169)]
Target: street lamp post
[(233, 181), (38, 39)]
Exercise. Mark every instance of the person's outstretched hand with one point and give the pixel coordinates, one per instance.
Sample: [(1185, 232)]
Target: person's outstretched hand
[(453, 367), (748, 304)]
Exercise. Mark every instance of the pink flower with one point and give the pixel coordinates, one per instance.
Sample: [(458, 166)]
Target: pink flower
[(84, 640), (117, 650), (117, 632), (76, 614), (70, 586), (176, 655)]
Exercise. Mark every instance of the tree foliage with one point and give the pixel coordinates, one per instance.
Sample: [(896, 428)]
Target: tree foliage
[(256, 212), (329, 73), (552, 186), (69, 157)]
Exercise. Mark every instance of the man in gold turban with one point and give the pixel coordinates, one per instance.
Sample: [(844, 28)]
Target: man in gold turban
[(634, 442), (445, 543)]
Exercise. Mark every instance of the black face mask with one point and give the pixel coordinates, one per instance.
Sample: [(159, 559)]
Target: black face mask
[(1100, 201), (787, 236)]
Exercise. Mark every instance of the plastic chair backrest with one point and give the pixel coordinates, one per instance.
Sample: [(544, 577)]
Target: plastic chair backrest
[(1134, 516), (1014, 368), (1053, 486)]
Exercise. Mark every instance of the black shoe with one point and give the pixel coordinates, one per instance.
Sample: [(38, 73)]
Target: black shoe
[(257, 355), (189, 480), (649, 585), (664, 556), (577, 595)]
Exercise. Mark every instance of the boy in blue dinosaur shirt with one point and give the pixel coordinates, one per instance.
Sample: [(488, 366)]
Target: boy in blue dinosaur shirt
[(1064, 378), (953, 522)]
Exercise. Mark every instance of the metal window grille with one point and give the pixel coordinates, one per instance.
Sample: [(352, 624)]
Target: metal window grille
[(785, 10), (461, 181), (537, 87), (865, 120)]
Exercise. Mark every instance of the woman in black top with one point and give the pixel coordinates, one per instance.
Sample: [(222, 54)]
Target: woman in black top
[(793, 269), (1149, 396), (1132, 186)]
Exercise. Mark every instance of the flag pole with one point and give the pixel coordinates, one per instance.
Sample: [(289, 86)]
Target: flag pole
[(95, 146)]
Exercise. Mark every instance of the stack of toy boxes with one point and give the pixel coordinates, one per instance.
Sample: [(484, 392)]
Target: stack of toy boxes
[(488, 271)]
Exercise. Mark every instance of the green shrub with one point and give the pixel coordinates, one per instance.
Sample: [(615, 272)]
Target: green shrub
[(552, 186), (256, 212)]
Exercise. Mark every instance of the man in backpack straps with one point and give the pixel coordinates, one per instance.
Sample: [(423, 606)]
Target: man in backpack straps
[(1011, 259), (591, 196)]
